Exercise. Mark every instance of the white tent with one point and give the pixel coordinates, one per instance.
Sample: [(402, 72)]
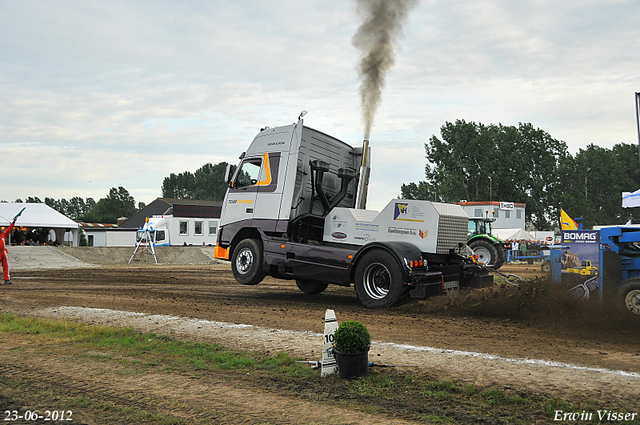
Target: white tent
[(510, 234), (39, 216)]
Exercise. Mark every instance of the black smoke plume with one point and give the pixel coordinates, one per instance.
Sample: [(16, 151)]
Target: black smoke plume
[(376, 39)]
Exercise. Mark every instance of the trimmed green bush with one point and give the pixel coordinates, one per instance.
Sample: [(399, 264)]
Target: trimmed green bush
[(352, 337)]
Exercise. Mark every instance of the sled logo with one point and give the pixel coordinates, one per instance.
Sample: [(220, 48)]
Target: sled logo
[(423, 234), (401, 209), (403, 212)]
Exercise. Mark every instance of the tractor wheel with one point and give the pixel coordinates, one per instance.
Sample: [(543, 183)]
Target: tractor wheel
[(246, 262), (485, 251), (311, 287), (379, 282), (501, 256), (629, 295)]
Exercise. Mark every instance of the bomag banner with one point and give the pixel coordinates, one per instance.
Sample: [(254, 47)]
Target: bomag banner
[(581, 263)]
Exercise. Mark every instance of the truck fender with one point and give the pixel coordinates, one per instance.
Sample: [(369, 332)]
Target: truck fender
[(403, 252), (245, 233)]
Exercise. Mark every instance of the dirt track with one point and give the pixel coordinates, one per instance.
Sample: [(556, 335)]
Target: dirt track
[(532, 322)]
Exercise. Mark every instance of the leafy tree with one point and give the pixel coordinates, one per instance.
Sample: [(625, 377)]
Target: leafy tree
[(475, 162), (422, 190), (76, 207), (207, 183), (89, 206), (118, 203), (524, 164), (179, 186)]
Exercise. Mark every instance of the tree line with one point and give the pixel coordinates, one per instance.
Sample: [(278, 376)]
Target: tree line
[(118, 203), (476, 162)]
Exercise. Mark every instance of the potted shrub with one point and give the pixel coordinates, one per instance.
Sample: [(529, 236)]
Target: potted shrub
[(352, 341)]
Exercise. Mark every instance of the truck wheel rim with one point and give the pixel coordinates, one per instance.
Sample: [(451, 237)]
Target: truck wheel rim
[(244, 261), (632, 301), (377, 281)]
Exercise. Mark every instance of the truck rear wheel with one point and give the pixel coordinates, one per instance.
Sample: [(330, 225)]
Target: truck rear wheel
[(629, 295), (246, 262), (485, 251), (379, 282), (311, 287)]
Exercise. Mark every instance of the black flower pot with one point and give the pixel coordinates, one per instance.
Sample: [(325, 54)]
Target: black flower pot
[(352, 366)]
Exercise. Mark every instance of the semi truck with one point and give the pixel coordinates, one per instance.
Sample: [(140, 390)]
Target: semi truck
[(295, 209)]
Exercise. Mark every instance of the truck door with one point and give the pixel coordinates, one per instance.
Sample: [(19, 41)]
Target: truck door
[(243, 190)]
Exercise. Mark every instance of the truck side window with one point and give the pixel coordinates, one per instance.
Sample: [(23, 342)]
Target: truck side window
[(248, 174)]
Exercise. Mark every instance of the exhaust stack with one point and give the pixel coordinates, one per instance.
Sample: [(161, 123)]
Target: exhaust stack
[(363, 179)]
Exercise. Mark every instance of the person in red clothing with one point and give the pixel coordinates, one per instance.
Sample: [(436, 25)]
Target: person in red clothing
[(4, 254)]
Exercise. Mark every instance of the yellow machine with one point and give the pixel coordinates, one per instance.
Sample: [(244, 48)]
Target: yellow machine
[(585, 269)]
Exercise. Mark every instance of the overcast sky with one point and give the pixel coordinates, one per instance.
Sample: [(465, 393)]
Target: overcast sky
[(101, 94)]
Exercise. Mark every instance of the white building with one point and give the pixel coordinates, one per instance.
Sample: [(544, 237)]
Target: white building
[(99, 234), (508, 215)]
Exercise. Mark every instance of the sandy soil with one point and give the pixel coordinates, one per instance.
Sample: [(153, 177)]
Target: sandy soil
[(530, 339)]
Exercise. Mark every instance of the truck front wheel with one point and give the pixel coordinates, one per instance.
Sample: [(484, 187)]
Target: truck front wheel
[(379, 282), (629, 295), (246, 262)]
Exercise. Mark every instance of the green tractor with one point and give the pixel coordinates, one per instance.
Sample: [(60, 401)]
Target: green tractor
[(488, 248)]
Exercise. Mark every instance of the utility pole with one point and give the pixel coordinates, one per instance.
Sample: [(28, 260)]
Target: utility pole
[(491, 185), (638, 119)]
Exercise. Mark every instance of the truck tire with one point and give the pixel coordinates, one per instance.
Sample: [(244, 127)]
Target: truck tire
[(311, 287), (246, 262), (485, 251), (378, 280), (629, 295)]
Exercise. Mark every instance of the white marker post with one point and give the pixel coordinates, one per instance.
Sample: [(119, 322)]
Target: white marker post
[(328, 363)]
